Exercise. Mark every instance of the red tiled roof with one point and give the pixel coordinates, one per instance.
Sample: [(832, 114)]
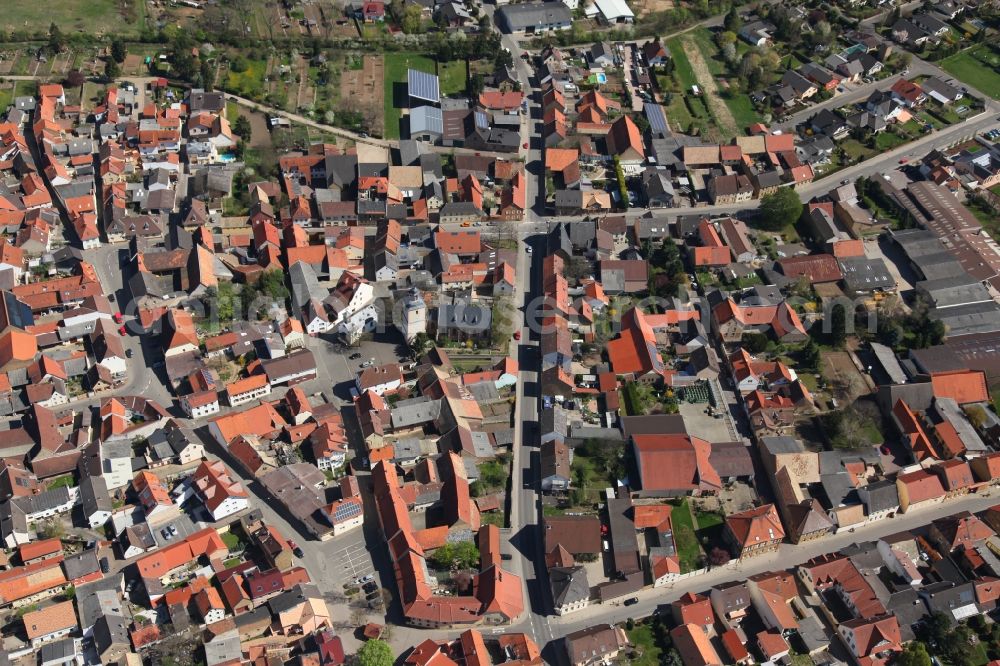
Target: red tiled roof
[(818, 268), (758, 525), (494, 99), (675, 462), (694, 609), (908, 90), (777, 143), (36, 549), (205, 542), (49, 620), (921, 485), (963, 387), (458, 242), (634, 350)]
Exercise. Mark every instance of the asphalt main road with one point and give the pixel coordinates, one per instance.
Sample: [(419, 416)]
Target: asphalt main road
[(883, 163), (787, 556), (859, 92)]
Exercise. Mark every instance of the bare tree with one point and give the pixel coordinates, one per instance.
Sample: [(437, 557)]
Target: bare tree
[(370, 116), (359, 616), (179, 649)]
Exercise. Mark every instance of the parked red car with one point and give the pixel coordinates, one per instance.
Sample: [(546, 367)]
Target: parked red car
[(118, 317), (121, 330), (517, 335)]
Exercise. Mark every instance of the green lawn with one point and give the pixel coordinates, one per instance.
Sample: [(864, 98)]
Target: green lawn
[(990, 222), (249, 82), (855, 149), (586, 478), (231, 540), (978, 66), (809, 379), (642, 639), (633, 400), (493, 518), (688, 550), (678, 114), (7, 95), (887, 141), (704, 38), (945, 115), (742, 109), (709, 526), (683, 72), (66, 480), (91, 17), (232, 111), (452, 77), (739, 105), (873, 433)]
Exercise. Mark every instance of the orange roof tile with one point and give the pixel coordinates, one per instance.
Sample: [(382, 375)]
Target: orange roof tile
[(49, 620), (962, 387)]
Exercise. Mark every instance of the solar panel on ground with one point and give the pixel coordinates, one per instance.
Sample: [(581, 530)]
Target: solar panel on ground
[(422, 85), (656, 117)]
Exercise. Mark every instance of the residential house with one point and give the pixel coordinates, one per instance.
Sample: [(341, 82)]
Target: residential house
[(755, 531)]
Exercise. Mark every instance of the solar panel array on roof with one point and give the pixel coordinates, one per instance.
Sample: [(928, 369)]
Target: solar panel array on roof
[(482, 120), (422, 85), (426, 119), (657, 119), (346, 511)]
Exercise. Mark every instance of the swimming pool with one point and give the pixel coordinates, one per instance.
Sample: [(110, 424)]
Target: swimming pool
[(601, 77), (226, 157)]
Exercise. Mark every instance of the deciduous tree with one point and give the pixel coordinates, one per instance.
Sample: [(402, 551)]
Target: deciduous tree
[(780, 209)]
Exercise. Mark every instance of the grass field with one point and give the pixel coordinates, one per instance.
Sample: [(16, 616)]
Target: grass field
[(683, 72), (706, 44), (887, 141), (856, 150), (7, 95), (97, 17), (979, 67), (684, 536), (742, 109), (452, 77), (249, 82), (739, 105), (65, 481)]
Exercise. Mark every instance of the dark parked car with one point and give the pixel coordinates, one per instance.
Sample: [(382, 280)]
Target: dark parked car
[(631, 601), (105, 565), (355, 355), (295, 549)]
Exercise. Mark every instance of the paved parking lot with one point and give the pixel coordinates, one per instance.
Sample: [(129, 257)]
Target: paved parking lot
[(353, 562), (183, 523), (337, 370)]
